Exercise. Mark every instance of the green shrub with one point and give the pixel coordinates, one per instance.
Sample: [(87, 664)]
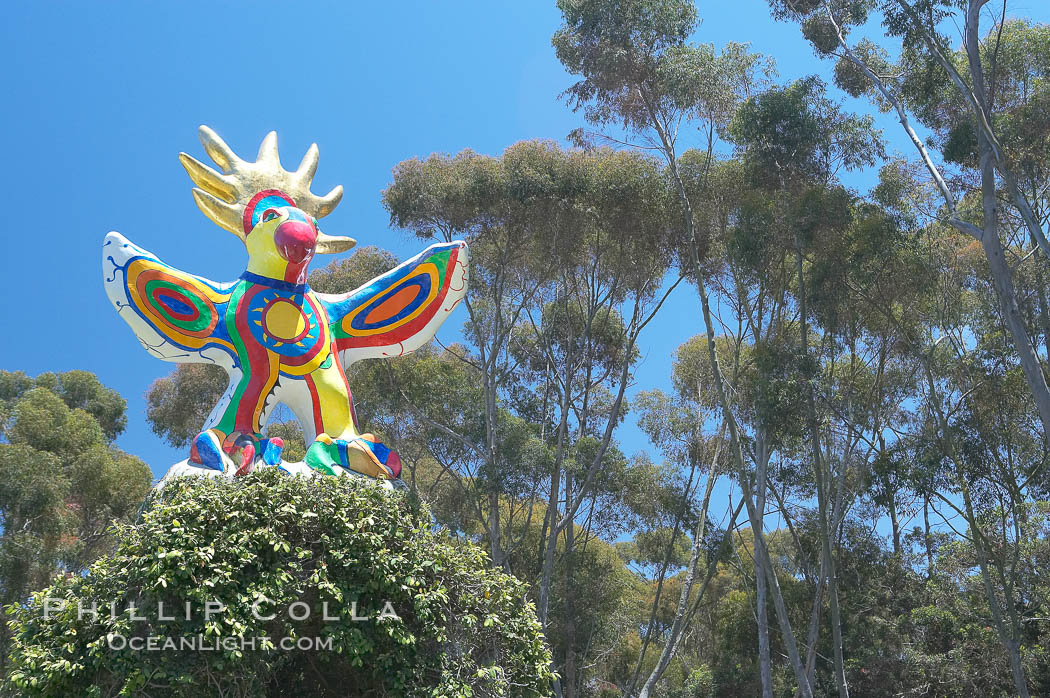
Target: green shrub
[(284, 544)]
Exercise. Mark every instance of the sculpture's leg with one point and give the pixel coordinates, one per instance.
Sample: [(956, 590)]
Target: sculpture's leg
[(217, 451), (206, 451), (245, 409), (233, 438), (337, 443), (362, 454)]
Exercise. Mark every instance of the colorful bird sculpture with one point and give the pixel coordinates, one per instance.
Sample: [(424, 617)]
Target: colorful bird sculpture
[(280, 341)]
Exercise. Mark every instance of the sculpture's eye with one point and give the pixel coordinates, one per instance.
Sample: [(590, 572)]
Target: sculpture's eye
[(271, 214)]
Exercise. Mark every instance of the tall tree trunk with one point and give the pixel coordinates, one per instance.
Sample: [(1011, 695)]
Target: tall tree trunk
[(895, 524), (1044, 314), (674, 636), (783, 618), (1004, 287), (489, 391), (822, 494), (990, 154), (790, 643), (1029, 359), (1007, 636), (654, 609), (813, 636), (569, 673), (761, 578), (892, 505), (495, 544), (547, 573), (927, 536)]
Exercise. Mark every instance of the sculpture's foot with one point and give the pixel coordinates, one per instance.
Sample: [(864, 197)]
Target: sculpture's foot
[(237, 451), (206, 452), (363, 455)]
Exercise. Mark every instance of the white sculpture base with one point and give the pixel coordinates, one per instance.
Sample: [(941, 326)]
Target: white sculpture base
[(186, 468)]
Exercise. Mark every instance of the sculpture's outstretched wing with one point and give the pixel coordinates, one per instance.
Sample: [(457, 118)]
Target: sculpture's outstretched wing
[(401, 310), (176, 316)]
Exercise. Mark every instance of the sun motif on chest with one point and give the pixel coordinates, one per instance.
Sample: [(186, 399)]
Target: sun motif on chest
[(290, 324), (285, 321)]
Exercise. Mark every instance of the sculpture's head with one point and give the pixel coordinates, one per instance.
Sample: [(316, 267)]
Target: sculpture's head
[(271, 210)]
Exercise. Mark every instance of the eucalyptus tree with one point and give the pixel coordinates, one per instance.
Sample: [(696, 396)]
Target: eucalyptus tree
[(676, 424), (569, 250), (504, 208), (640, 74), (983, 104), (780, 231), (581, 342), (983, 458), (972, 447), (794, 141)]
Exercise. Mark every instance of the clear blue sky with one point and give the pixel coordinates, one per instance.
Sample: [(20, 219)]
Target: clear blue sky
[(100, 97)]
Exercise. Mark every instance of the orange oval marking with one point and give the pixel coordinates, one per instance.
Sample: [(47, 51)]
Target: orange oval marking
[(393, 305)]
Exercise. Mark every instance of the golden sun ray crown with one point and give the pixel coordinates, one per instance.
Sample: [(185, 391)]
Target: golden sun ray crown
[(223, 196)]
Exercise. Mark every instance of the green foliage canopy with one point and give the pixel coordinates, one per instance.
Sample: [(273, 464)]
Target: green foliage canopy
[(462, 629)]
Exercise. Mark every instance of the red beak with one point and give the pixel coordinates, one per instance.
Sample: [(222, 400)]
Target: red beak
[(295, 240)]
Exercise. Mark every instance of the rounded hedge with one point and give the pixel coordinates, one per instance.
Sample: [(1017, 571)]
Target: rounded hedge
[(276, 585)]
